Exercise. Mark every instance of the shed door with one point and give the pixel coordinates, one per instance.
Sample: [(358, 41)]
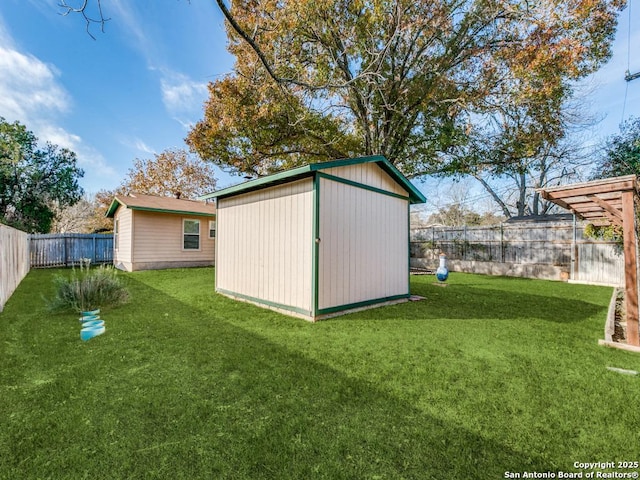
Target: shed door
[(363, 253)]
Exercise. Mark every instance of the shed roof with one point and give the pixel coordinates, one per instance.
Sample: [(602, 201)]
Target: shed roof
[(154, 203), (415, 196)]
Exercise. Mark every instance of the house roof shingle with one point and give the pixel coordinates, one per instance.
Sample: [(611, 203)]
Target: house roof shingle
[(153, 203)]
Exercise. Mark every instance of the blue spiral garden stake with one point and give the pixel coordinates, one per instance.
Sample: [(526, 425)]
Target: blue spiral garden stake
[(92, 325)]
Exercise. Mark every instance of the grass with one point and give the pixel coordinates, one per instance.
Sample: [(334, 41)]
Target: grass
[(487, 376)]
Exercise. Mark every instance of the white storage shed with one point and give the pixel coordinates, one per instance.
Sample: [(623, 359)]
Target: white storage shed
[(318, 240)]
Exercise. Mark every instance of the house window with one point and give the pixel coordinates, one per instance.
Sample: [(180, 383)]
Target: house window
[(191, 234), (212, 229), (116, 233)]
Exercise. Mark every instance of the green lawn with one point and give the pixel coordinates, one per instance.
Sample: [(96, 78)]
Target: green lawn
[(487, 376)]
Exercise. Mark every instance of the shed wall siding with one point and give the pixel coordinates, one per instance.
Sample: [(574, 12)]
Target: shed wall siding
[(265, 244), (122, 255), (368, 174), (364, 251), (159, 238)]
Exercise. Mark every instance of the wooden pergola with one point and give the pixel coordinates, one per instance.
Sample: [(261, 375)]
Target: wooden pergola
[(610, 201)]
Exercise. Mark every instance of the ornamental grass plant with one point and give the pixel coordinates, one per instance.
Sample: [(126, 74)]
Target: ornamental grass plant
[(88, 288)]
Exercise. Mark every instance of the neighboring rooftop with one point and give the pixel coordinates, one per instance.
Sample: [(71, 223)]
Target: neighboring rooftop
[(154, 203)]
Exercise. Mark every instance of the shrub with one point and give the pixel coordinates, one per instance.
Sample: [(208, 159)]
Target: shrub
[(611, 233), (88, 288)]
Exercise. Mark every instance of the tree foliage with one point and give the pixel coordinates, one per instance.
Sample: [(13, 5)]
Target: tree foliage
[(74, 218), (514, 188), (621, 153), (457, 215), (85, 216), (173, 172), (422, 82), (169, 173), (407, 79), (33, 179)]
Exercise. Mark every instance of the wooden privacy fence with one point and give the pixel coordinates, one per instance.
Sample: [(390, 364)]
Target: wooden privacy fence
[(553, 250), (14, 261), (67, 249)]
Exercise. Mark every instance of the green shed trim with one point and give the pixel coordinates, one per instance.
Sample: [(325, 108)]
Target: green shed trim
[(366, 303), (415, 196), (364, 186), (409, 249), (315, 266), (261, 301)]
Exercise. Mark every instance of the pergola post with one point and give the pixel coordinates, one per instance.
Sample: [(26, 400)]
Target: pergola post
[(630, 268), (609, 201)]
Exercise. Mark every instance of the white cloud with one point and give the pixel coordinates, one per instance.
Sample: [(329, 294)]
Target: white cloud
[(143, 147), (181, 95), (97, 171), (126, 14), (28, 87), (57, 135), (31, 94)]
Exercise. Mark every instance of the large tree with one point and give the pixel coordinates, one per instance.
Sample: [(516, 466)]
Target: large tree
[(34, 179), (407, 79), (86, 216), (173, 172), (511, 173)]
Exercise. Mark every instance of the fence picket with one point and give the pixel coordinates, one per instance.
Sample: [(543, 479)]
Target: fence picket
[(14, 261), (545, 244), (67, 249)]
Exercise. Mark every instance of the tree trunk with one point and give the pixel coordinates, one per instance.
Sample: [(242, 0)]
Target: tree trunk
[(495, 196), (522, 186)]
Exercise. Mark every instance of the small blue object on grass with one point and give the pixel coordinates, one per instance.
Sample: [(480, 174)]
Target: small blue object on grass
[(93, 323), (92, 326), (88, 333), (90, 315)]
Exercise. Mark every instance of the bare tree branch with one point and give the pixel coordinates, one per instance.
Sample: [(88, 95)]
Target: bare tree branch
[(285, 80), (82, 10)]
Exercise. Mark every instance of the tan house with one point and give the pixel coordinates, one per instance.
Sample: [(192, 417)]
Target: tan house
[(152, 232), (317, 240)]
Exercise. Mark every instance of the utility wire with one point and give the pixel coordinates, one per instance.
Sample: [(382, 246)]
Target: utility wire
[(628, 75)]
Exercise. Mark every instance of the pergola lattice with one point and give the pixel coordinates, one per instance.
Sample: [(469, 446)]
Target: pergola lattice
[(610, 201)]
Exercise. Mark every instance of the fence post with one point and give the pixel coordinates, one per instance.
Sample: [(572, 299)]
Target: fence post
[(501, 243), (433, 237)]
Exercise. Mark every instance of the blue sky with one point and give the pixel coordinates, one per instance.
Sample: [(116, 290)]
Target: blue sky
[(137, 88)]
